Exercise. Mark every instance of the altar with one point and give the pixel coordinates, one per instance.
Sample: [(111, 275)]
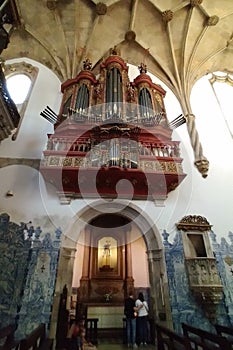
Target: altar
[(110, 316)]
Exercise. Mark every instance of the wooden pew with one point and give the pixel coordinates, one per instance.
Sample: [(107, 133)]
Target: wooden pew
[(204, 340), (91, 325), (226, 332), (169, 340), (37, 340), (7, 339)]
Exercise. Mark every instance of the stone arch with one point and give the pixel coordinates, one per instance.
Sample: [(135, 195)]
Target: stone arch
[(154, 249), (128, 209)]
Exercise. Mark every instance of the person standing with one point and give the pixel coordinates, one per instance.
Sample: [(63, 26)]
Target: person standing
[(143, 311), (129, 311), (74, 336)]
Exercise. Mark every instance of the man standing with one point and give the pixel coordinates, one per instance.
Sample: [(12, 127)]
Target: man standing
[(129, 312)]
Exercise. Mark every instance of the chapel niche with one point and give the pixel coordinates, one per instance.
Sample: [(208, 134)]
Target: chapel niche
[(107, 266)]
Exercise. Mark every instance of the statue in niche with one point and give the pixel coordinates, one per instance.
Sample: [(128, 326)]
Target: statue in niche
[(106, 257), (107, 254), (107, 246), (87, 65)]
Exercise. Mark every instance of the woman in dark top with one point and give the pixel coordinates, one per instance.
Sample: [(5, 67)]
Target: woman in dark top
[(129, 312)]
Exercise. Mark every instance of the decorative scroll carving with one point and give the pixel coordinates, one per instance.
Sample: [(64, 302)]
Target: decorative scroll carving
[(194, 223), (131, 92), (203, 272), (202, 166), (205, 282), (98, 90)]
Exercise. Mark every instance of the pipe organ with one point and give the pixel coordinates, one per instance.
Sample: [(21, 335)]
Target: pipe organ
[(109, 129)]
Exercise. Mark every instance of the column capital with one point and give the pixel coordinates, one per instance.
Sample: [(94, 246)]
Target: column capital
[(68, 253), (154, 254)]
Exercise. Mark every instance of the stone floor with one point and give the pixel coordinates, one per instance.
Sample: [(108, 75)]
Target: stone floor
[(119, 346), (116, 345), (112, 346)]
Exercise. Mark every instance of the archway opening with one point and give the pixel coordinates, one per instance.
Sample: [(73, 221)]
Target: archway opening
[(107, 261), (109, 250)]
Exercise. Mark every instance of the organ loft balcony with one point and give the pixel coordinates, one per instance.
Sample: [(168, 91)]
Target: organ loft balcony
[(111, 138)]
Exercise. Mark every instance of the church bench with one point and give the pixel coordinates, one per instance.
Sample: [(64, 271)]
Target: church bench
[(169, 340), (91, 325), (37, 340), (204, 340), (226, 332), (7, 340)]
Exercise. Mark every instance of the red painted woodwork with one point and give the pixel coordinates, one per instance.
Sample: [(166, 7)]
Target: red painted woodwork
[(112, 153)]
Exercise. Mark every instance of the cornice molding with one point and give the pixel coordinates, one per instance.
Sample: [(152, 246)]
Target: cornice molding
[(33, 163)]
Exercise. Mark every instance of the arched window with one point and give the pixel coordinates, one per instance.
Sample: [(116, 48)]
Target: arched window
[(222, 85), (20, 79), (18, 86)]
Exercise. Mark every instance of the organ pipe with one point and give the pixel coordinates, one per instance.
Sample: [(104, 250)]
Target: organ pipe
[(114, 89), (86, 98), (82, 101), (67, 105)]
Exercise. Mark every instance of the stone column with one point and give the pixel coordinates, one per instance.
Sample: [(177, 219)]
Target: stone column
[(64, 277), (86, 261), (159, 288), (84, 281), (128, 278)]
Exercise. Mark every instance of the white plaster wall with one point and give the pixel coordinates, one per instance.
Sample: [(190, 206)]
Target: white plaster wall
[(77, 274), (140, 264)]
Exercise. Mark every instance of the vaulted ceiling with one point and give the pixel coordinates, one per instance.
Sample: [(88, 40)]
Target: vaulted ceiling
[(178, 40)]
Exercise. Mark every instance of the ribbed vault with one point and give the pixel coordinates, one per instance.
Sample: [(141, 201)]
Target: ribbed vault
[(179, 40)]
